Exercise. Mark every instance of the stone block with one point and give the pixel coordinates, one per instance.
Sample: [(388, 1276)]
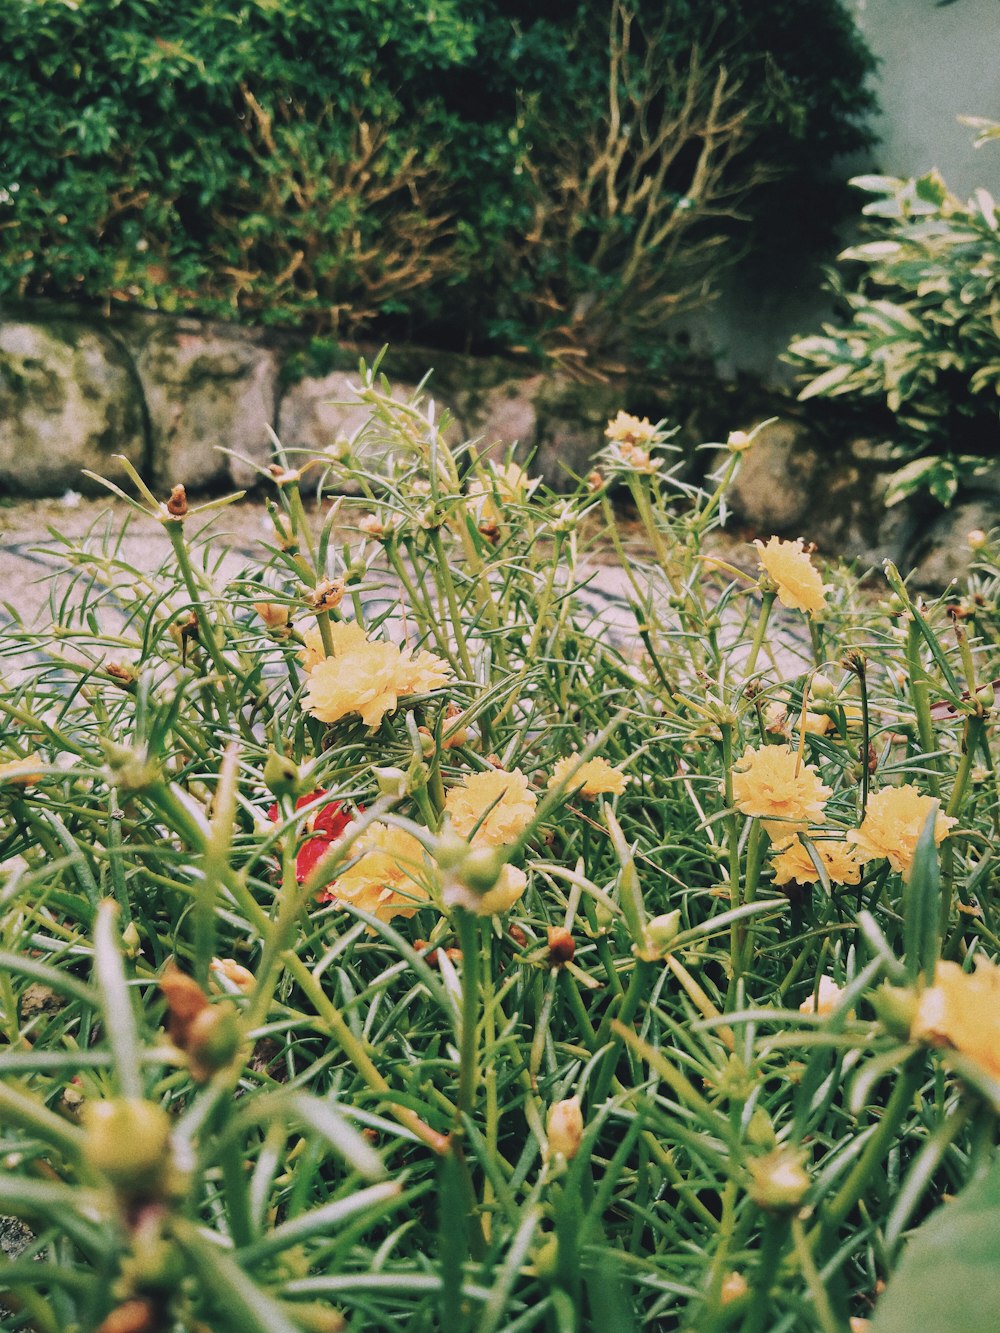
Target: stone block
[(207, 389), (68, 401)]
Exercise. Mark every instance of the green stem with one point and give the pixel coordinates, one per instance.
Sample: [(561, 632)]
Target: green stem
[(766, 602), (875, 1149)]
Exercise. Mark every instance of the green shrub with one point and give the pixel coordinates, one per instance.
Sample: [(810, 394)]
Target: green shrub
[(358, 164), (922, 331), (333, 988)]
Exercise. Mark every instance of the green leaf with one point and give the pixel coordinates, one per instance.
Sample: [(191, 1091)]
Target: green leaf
[(921, 928), (949, 1277)]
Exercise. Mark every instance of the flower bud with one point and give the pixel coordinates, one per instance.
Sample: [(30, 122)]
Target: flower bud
[(739, 441), (822, 687), (561, 946), (213, 1038), (976, 539), (177, 505), (734, 1288), (564, 1128), (391, 781), (131, 941), (896, 1009), (327, 595), (274, 615), (139, 1315), (281, 776), (127, 1141), (760, 1130), (510, 885), (778, 1180), (234, 972), (546, 1257), (131, 771), (657, 937)]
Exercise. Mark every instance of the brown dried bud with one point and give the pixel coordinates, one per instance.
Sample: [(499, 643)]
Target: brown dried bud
[(177, 505), (185, 1001), (327, 595), (121, 671), (490, 532), (561, 946), (595, 481), (518, 936)]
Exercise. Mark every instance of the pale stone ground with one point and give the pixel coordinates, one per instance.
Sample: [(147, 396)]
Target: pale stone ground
[(29, 558)]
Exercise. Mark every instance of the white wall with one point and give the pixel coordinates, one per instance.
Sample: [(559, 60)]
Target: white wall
[(938, 62)]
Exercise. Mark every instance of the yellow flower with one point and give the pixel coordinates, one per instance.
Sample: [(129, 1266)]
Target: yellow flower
[(386, 877), (794, 864), (234, 972), (594, 778), (506, 798), (510, 886), (892, 824), (628, 429), (363, 676), (22, 772), (825, 1001), (346, 636), (800, 586), (771, 784), (962, 1010)]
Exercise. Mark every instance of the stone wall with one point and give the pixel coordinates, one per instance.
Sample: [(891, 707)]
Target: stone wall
[(190, 401)]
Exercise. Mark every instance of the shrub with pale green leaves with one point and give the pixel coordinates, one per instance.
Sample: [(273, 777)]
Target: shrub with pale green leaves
[(921, 332), (398, 932)]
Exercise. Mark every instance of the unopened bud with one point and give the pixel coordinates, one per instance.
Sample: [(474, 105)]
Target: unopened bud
[(127, 1141), (760, 1130), (131, 941), (595, 481), (274, 615), (778, 1180), (896, 1009), (561, 946), (564, 1128), (139, 1315), (213, 1038), (822, 687), (391, 781), (177, 505), (976, 539), (281, 776), (734, 1288), (658, 936), (739, 441), (234, 972)]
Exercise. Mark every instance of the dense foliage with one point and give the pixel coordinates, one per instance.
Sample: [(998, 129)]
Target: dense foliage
[(921, 330), (478, 173), (397, 934)]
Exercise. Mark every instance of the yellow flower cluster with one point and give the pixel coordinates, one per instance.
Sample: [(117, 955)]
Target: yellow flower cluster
[(594, 778), (362, 675), (386, 875), (491, 809), (962, 1010), (799, 584), (773, 786), (793, 864), (893, 823)]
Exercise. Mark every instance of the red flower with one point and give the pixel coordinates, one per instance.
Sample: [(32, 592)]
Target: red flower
[(325, 827)]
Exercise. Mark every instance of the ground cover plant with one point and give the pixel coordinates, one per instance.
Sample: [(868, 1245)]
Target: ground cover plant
[(395, 938)]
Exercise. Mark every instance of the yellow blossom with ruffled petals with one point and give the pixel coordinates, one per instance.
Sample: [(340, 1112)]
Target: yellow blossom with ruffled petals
[(825, 1000), (962, 1010), (386, 875), (893, 822), (498, 805), (22, 772), (800, 586), (486, 496), (793, 864), (772, 785), (363, 676), (627, 429), (594, 778)]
